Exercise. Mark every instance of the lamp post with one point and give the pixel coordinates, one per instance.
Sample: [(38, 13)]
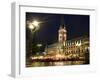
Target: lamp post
[(33, 26)]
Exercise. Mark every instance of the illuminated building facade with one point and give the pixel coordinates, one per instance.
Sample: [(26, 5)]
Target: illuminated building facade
[(77, 45), (74, 48)]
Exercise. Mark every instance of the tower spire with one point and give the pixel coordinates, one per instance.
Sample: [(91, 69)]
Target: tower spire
[(62, 36), (62, 24)]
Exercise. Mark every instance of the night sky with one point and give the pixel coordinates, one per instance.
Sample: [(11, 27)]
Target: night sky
[(76, 26)]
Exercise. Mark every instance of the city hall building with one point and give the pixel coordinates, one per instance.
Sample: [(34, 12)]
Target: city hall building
[(74, 47)]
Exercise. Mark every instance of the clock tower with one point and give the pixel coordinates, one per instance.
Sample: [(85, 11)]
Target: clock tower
[(62, 36)]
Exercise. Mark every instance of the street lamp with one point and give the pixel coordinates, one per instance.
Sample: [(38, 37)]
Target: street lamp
[(33, 27), (35, 23)]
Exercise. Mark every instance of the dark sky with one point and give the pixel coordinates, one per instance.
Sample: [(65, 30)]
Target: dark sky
[(76, 26)]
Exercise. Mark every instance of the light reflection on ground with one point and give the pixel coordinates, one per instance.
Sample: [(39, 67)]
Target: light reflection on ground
[(61, 63)]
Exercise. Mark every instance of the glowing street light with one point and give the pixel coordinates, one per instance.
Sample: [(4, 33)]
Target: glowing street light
[(35, 23), (31, 26)]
